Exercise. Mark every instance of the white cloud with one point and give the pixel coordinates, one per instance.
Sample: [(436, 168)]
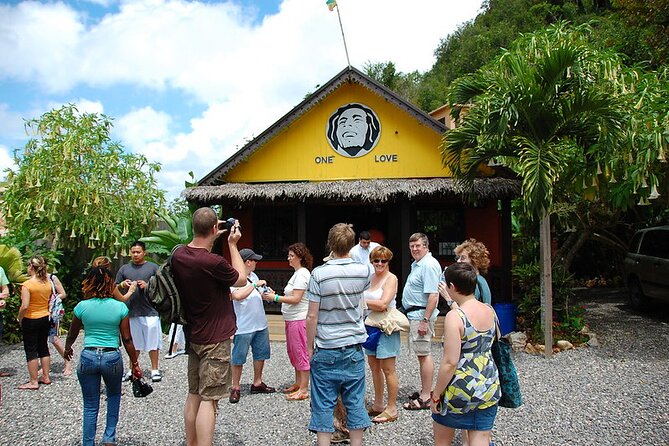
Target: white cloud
[(6, 160), (246, 72)]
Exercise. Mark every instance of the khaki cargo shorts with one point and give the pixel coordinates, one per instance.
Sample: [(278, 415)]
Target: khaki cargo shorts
[(209, 370), (421, 345)]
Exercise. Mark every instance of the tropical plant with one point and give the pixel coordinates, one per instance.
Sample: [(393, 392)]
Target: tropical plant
[(12, 263), (74, 187), (541, 110), (179, 231)]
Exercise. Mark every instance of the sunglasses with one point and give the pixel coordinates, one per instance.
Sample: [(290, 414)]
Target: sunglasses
[(379, 261)]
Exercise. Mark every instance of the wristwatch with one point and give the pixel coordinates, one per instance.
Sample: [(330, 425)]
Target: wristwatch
[(426, 319)]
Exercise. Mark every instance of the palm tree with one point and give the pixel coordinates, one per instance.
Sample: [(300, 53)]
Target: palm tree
[(541, 110)]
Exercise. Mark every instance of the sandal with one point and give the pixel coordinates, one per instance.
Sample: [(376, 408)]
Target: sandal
[(297, 396), (417, 404), (27, 386), (385, 417)]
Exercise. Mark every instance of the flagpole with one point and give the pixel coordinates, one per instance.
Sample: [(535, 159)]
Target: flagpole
[(348, 61)]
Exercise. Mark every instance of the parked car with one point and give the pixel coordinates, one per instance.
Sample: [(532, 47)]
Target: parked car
[(647, 265)]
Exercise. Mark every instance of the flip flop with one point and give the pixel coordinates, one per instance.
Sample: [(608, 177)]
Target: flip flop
[(384, 417), (26, 387), (373, 413), (297, 396), (5, 374), (46, 383)]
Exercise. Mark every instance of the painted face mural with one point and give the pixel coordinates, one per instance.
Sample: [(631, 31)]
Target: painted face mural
[(353, 130)]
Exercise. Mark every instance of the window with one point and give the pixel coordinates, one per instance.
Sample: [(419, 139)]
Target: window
[(274, 230), (443, 227), (656, 244)]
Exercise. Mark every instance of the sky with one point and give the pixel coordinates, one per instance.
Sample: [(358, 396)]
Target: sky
[(188, 83)]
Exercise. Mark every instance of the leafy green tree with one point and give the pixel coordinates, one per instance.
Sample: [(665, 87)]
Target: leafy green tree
[(75, 187), (404, 84), (539, 109)]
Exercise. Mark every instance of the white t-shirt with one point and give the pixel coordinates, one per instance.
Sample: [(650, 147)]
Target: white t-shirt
[(360, 254), (250, 311), (298, 311)]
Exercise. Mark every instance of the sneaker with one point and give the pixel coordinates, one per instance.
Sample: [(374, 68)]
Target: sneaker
[(127, 377), (175, 354), (262, 388), (156, 376)]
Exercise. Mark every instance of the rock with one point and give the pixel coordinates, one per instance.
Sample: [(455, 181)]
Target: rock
[(518, 340), (529, 348), (564, 345), (593, 341)]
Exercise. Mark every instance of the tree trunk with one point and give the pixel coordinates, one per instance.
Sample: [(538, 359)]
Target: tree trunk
[(546, 283)]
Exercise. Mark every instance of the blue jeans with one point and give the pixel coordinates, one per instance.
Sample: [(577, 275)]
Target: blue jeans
[(94, 364), (335, 372)]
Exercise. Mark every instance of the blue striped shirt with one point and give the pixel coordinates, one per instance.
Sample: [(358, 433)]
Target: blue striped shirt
[(338, 286)]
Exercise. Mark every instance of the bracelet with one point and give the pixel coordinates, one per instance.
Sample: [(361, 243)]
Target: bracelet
[(435, 401), (255, 285), (276, 298)]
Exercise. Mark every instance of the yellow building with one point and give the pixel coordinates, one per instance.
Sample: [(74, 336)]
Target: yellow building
[(353, 151)]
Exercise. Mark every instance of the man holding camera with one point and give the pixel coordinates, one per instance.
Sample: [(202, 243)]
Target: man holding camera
[(252, 331), (204, 280)]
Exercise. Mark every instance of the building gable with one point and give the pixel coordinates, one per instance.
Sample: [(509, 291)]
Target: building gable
[(397, 140)]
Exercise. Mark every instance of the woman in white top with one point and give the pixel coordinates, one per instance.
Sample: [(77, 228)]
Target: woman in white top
[(294, 308), (380, 296)]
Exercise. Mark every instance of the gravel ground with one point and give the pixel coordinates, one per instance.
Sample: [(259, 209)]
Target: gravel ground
[(614, 394)]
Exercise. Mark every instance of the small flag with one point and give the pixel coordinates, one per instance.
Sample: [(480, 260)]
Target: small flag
[(331, 4)]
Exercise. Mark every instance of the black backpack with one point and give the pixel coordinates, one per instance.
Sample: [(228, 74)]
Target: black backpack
[(162, 293)]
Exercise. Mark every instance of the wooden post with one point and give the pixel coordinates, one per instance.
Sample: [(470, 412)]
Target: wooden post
[(546, 283)]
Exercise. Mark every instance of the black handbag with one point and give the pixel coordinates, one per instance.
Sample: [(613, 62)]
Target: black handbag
[(140, 388), (508, 378)]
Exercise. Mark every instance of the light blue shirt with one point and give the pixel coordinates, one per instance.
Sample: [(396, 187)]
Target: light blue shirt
[(422, 281), (101, 319)]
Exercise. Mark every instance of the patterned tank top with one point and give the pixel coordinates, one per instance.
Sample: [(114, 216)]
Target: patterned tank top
[(475, 383)]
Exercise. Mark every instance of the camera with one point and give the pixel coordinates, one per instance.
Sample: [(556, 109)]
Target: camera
[(263, 289), (227, 224)]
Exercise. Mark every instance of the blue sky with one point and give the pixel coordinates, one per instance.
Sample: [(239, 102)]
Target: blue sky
[(188, 82)]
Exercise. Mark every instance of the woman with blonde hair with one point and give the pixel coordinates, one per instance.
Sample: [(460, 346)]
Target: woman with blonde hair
[(104, 319), (379, 296), (34, 319)]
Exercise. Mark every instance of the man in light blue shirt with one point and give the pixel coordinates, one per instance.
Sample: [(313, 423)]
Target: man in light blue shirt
[(419, 298)]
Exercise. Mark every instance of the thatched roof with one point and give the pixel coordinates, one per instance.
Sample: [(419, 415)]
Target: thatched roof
[(348, 75), (366, 191)]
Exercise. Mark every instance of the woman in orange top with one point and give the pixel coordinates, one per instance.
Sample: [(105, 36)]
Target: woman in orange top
[(34, 320)]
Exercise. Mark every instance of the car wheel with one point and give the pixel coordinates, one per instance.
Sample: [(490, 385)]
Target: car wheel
[(636, 295)]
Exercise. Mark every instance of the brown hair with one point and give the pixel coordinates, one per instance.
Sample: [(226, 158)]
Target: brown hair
[(381, 252), (38, 264), (341, 238), (420, 236), (203, 220), (477, 252), (462, 276), (303, 253), (99, 282)]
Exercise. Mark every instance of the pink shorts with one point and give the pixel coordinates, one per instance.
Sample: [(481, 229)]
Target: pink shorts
[(296, 344)]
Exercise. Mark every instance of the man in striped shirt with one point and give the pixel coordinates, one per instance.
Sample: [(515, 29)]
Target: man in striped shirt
[(335, 332)]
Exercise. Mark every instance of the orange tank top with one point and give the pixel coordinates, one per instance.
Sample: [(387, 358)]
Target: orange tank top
[(40, 292)]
